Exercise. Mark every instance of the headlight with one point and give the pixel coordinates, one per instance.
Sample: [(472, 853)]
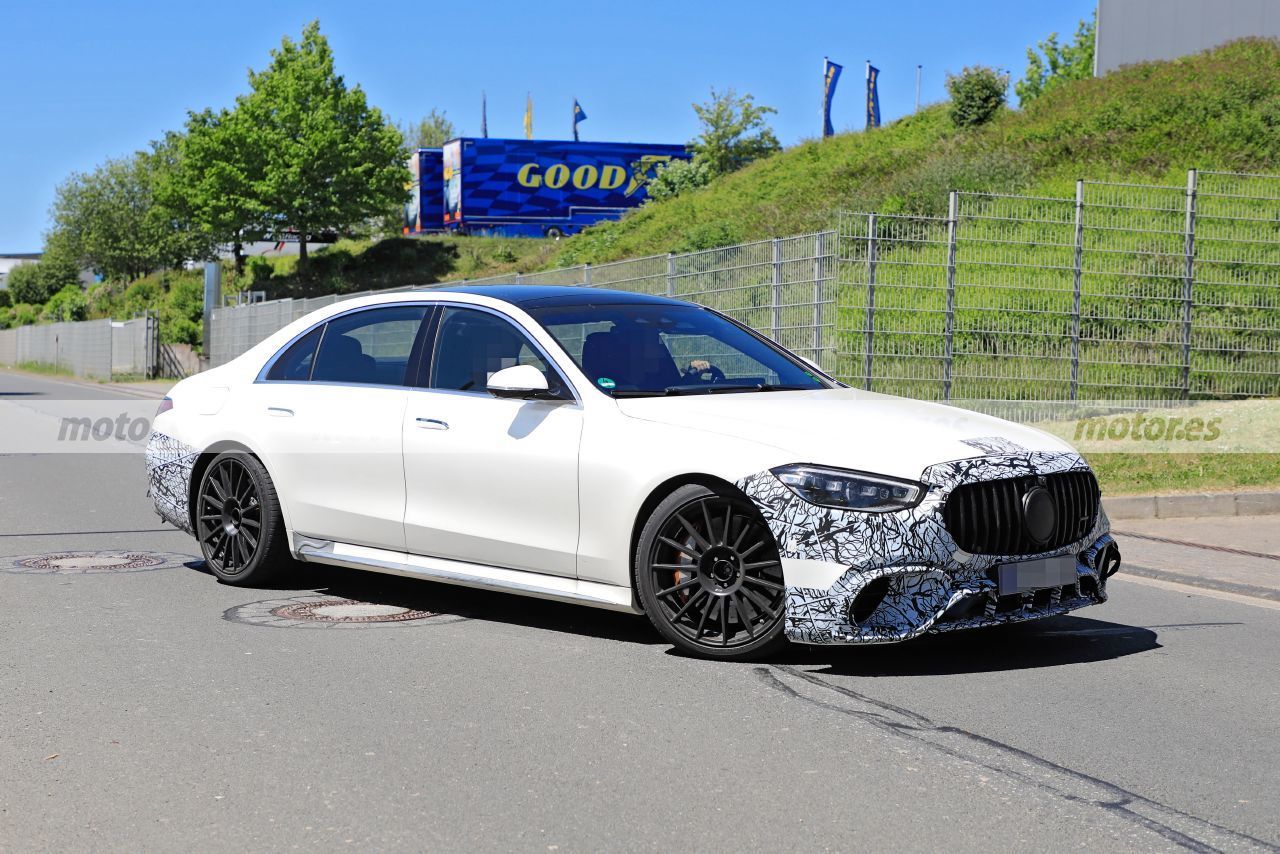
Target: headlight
[(850, 490)]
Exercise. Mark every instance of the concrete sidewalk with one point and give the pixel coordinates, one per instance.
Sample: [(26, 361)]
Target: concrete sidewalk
[(1238, 554)]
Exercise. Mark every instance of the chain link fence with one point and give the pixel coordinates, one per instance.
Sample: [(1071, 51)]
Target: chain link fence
[(97, 349), (784, 287), (1122, 291), (1125, 291)]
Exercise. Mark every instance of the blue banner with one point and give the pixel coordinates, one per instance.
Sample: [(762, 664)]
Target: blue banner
[(873, 97), (830, 76), (579, 115)]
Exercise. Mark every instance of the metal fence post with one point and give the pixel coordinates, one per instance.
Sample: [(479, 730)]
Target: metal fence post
[(586, 275), (519, 278), (869, 328), (1188, 281), (948, 330), (671, 274), (820, 247), (776, 291), (1077, 272)]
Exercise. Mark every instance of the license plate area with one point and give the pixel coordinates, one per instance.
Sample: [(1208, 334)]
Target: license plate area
[(1027, 575)]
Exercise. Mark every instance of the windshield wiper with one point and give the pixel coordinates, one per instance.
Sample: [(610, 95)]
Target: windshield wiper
[(716, 389)]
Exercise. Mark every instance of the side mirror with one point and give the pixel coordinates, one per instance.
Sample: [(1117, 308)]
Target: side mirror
[(518, 381)]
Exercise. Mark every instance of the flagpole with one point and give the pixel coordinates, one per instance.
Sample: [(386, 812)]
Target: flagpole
[(918, 67), (866, 125), (822, 110)]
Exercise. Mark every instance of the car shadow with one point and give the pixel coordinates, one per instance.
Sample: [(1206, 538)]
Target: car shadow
[(1051, 642), (466, 602)]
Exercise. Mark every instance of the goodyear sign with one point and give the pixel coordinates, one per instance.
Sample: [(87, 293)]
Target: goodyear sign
[(535, 181)]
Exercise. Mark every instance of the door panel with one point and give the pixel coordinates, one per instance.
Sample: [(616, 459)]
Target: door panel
[(335, 453), (488, 480), (492, 481)]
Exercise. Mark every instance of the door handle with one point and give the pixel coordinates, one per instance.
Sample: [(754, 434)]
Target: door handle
[(433, 424), (279, 412)]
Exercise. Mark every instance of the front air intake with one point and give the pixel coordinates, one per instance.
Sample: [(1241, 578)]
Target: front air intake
[(1022, 515)]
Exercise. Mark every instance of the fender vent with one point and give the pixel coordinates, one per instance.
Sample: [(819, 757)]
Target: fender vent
[(988, 517)]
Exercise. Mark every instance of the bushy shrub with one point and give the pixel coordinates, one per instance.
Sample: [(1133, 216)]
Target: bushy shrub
[(28, 286), (6, 317), (678, 176), (182, 311), (24, 314), (70, 303), (6, 300), (977, 94)]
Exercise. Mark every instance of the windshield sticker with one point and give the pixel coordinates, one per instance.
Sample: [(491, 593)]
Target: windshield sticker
[(605, 382)]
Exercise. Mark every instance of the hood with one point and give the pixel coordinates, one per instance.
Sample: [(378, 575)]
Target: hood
[(846, 428)]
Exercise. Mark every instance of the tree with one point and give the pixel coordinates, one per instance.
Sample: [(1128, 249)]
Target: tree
[(329, 159), (432, 131), (977, 93), (735, 131), (70, 303), (1067, 62), (111, 221), (216, 182)]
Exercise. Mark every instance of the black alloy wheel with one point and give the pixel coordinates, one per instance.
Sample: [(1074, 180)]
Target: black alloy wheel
[(709, 575), (238, 521)]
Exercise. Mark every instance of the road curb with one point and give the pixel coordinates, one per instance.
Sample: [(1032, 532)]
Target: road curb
[(1180, 506), (1250, 590)]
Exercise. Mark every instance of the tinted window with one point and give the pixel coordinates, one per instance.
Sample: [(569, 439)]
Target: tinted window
[(670, 349), (473, 345), (370, 346), (295, 363)]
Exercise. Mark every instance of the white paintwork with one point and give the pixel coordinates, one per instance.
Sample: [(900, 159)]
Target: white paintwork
[(542, 497)]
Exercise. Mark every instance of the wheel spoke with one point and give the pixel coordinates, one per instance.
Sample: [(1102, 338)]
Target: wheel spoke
[(703, 543), (675, 567), (216, 503), (683, 585), (760, 564), (687, 605), (728, 524), (682, 548), (705, 613), (762, 582), (217, 490), (253, 523), (737, 606), (756, 599), (724, 620), (742, 555), (224, 479), (250, 541), (706, 517)]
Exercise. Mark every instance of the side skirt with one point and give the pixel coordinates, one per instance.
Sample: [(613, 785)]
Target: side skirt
[(553, 587)]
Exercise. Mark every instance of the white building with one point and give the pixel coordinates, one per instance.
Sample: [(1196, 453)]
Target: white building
[(1131, 31)]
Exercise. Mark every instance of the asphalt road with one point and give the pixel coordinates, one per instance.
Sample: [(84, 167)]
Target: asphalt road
[(134, 717)]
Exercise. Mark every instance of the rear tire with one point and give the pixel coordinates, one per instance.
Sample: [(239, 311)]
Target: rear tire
[(709, 577), (238, 521)]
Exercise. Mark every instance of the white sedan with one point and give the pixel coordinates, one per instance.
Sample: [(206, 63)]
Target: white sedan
[(628, 452)]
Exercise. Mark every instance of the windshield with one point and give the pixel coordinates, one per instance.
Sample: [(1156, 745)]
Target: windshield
[(644, 350)]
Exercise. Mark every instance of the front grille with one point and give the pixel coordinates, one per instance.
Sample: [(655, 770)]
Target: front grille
[(986, 517)]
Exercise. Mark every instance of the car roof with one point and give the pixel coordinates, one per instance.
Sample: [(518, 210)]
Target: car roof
[(543, 296)]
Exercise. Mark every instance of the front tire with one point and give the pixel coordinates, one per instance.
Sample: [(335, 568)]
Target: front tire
[(709, 577), (239, 523)]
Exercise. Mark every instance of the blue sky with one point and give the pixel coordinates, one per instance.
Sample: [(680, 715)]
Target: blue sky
[(86, 81)]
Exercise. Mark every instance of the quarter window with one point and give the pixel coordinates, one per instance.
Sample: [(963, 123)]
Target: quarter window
[(294, 364)]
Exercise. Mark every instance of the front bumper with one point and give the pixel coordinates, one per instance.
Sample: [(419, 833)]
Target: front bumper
[(929, 584)]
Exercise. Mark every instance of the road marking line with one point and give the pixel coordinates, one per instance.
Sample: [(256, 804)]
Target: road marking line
[(1198, 591)]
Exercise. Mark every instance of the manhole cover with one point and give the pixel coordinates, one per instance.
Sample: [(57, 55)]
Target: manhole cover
[(331, 612), (92, 563)]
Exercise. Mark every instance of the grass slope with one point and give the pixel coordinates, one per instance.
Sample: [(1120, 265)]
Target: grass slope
[(1219, 109)]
